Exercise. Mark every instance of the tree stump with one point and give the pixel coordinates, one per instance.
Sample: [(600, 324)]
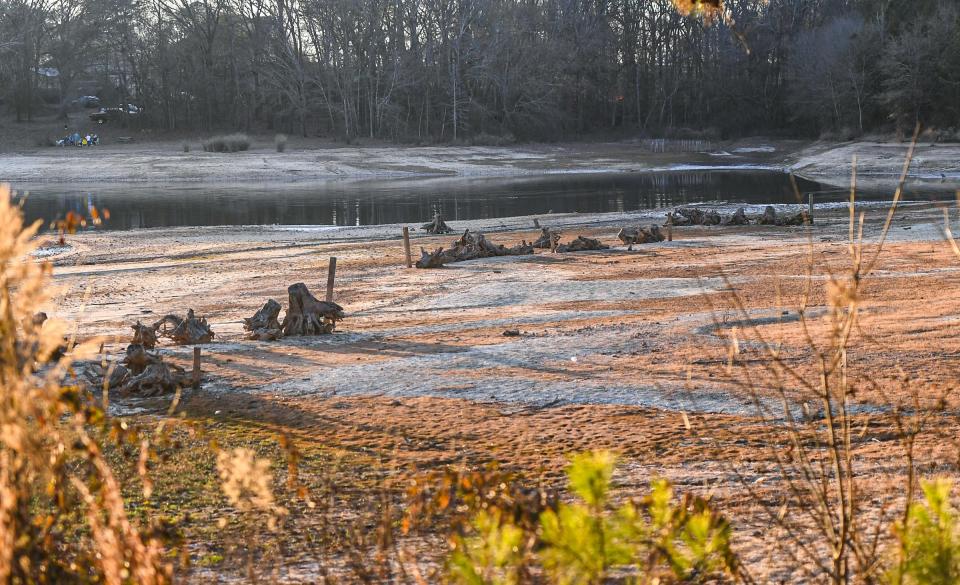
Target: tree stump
[(264, 325), (189, 331), (144, 335), (582, 244), (435, 259), (437, 226), (469, 246), (548, 239), (738, 218), (694, 216), (146, 374), (769, 216), (307, 315), (648, 235)]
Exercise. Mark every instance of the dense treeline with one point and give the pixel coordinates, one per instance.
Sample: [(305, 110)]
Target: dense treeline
[(458, 69)]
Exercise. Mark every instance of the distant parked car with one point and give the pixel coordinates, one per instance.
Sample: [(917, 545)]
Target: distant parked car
[(104, 115), (87, 101)]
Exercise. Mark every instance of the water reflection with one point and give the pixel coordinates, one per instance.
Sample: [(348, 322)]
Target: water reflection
[(394, 201)]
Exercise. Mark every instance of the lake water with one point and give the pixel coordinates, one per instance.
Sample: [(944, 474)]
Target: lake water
[(366, 202)]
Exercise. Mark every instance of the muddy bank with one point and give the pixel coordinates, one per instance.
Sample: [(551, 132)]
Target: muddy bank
[(588, 324), (612, 349), (935, 167), (167, 163)]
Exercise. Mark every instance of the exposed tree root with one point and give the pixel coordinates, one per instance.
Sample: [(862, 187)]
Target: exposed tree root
[(686, 216), (640, 235), (582, 244), (145, 374), (738, 218), (144, 335), (548, 239), (264, 325), (189, 331), (770, 217), (693, 216), (469, 246), (437, 226), (307, 315)]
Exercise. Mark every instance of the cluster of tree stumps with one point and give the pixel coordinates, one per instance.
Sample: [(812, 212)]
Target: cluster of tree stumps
[(474, 245), (469, 246), (143, 371), (690, 216), (306, 315)]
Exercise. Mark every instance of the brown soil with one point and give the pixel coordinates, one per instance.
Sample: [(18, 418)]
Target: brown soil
[(619, 350)]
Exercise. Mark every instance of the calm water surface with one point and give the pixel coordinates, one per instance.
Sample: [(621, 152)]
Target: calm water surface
[(366, 202)]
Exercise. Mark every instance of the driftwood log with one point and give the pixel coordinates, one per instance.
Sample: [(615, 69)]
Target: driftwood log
[(582, 244), (144, 335), (307, 315), (437, 226), (640, 235), (188, 331), (265, 323), (470, 246)]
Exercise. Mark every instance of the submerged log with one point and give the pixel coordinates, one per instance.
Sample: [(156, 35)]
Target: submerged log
[(582, 244), (144, 335), (640, 235), (307, 315), (437, 226), (470, 246), (264, 325), (188, 331)]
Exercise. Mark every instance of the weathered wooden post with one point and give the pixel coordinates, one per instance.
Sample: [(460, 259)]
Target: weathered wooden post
[(406, 246), (196, 367), (670, 227), (331, 275), (810, 208)]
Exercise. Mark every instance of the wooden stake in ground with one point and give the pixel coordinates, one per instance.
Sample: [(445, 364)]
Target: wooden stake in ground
[(196, 367), (670, 227), (406, 246), (810, 208), (331, 275)]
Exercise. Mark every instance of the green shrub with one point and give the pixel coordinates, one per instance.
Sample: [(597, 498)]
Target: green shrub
[(229, 143), (929, 543), (582, 542)]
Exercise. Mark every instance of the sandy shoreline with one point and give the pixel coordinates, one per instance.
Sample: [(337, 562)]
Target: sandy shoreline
[(936, 167)]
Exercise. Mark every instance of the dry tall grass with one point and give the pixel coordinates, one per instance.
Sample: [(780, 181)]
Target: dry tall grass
[(51, 467), (830, 527)]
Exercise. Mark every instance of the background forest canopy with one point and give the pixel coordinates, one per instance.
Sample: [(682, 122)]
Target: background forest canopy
[(456, 70)]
